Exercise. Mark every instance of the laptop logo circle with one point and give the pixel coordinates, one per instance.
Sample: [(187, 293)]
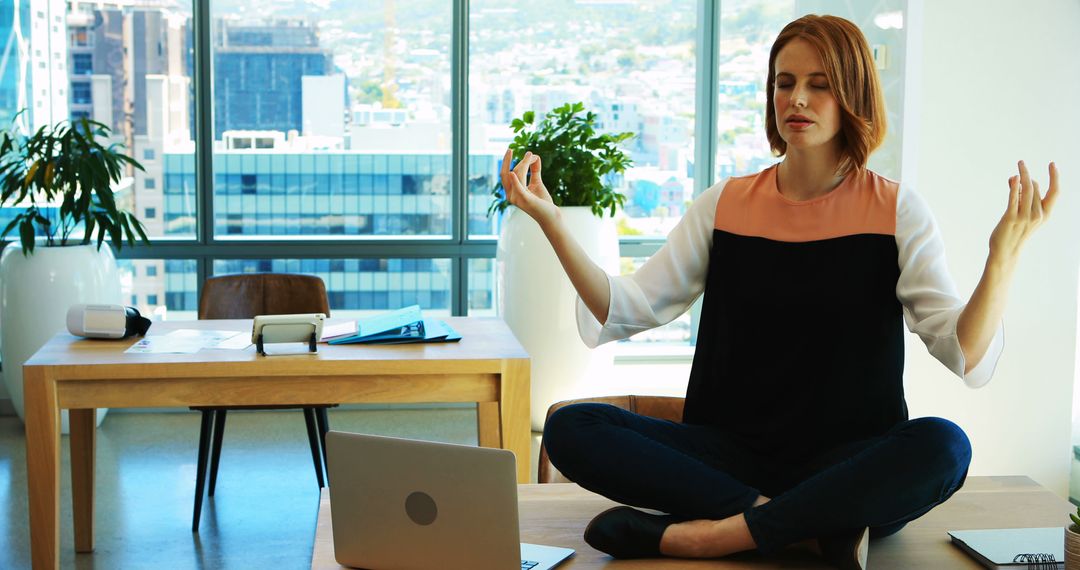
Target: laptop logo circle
[(421, 508)]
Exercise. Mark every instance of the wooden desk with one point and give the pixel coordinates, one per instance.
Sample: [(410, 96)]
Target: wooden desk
[(487, 366), (556, 514)]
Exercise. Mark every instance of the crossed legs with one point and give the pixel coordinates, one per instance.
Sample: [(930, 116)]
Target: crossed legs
[(703, 475)]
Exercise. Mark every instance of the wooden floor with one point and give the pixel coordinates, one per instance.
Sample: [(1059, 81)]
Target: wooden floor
[(266, 503)]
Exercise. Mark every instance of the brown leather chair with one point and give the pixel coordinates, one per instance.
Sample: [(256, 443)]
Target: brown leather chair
[(663, 407), (243, 297)]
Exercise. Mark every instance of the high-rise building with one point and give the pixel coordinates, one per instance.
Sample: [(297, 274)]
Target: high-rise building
[(258, 74), (271, 190), (114, 48), (14, 60), (129, 70), (33, 62)]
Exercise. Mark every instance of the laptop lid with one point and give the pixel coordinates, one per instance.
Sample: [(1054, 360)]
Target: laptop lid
[(399, 503)]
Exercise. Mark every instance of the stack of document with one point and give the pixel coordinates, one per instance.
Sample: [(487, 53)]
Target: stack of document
[(395, 327)]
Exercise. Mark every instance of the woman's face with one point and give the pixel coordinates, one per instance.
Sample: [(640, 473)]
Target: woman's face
[(807, 114)]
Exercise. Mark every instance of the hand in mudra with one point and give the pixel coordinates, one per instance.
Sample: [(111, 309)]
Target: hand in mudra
[(525, 188), (1027, 210)]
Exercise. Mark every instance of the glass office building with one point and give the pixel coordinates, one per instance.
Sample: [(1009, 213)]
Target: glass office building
[(258, 71), (271, 194), (325, 194)]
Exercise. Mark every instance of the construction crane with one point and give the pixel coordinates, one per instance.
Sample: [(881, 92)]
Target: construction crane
[(389, 83)]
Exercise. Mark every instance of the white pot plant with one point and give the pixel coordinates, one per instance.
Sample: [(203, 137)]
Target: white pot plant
[(62, 177), (535, 297), (1072, 542)]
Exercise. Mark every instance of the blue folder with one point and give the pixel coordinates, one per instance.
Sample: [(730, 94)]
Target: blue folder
[(403, 324), (433, 331)]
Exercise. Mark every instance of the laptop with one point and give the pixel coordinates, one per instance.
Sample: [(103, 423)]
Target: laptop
[(407, 504)]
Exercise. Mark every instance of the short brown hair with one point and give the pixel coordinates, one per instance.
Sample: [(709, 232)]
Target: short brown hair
[(853, 81)]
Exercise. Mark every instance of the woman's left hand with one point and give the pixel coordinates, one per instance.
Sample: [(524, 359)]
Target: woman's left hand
[(1027, 210)]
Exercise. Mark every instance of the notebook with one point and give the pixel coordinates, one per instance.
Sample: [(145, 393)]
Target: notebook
[(1019, 548)]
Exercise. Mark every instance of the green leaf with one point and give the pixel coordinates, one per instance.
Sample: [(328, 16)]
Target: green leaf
[(139, 228), (115, 233), (26, 235), (100, 237), (124, 223), (88, 230)]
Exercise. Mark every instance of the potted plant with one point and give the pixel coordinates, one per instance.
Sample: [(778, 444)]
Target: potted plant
[(62, 177), (1072, 542), (535, 297), (577, 158)]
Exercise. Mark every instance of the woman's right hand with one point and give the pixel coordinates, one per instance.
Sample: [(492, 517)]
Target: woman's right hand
[(525, 188)]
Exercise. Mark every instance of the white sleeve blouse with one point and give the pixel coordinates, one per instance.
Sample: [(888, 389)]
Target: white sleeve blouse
[(672, 279)]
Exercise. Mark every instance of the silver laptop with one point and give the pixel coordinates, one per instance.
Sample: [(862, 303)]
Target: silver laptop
[(407, 504)]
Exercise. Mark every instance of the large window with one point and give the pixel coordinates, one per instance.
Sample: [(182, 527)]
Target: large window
[(332, 123), (359, 141), (633, 67)]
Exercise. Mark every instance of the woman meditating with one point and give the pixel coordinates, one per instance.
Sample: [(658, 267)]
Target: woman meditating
[(795, 425)]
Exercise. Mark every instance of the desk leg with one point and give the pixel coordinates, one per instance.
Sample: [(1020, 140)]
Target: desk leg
[(487, 424), (514, 414), (83, 439), (42, 466)]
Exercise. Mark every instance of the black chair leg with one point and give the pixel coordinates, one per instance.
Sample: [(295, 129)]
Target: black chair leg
[(200, 472), (313, 441), (324, 426), (215, 455)]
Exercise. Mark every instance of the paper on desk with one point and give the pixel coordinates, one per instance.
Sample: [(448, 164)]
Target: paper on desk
[(163, 345), (332, 330), (238, 342), (189, 341)]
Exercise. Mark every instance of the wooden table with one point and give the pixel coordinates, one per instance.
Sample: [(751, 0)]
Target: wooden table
[(487, 366), (556, 514)]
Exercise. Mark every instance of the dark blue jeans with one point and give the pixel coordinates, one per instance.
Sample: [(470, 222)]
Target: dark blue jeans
[(702, 472)]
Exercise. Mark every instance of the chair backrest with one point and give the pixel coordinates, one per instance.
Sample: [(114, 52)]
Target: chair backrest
[(245, 295), (662, 407)]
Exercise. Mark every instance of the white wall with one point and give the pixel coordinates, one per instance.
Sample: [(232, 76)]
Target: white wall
[(1000, 82)]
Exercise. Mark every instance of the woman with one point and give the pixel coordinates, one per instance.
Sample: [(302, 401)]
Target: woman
[(795, 424)]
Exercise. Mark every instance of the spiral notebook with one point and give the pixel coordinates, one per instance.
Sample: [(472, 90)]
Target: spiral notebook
[(1014, 548)]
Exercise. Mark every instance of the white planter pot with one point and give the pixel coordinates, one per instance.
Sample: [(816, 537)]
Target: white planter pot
[(537, 301), (35, 293)]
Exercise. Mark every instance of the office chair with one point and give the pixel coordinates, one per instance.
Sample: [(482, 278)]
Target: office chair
[(662, 407), (243, 297)]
